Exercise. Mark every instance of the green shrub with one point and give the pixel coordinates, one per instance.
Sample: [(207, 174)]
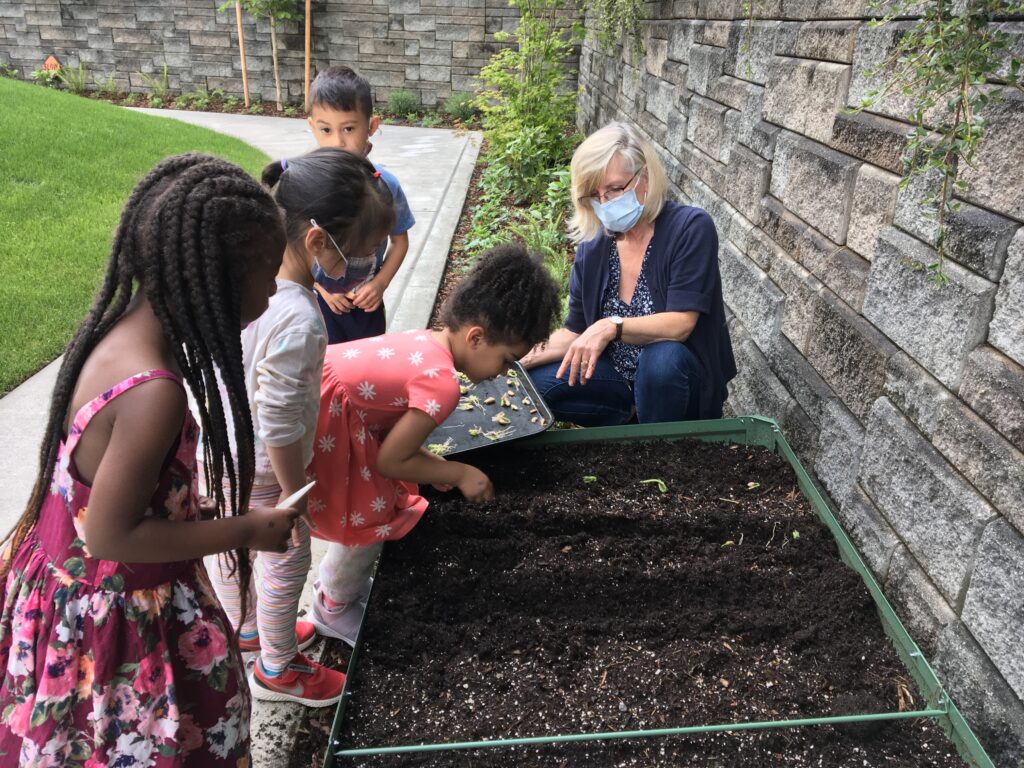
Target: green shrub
[(157, 83), (528, 113), (291, 111), (9, 71), (130, 99), (461, 106), (107, 86), (75, 80), (184, 101), (231, 102), (156, 102), (430, 120), (402, 102), (49, 78)]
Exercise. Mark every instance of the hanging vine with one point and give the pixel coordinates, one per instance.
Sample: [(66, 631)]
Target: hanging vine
[(950, 64), (618, 20)]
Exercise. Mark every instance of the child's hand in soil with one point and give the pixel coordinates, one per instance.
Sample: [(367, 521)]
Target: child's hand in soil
[(338, 303), (368, 296), (270, 529), (475, 485)]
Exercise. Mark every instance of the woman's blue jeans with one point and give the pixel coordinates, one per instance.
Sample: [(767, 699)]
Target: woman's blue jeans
[(666, 388)]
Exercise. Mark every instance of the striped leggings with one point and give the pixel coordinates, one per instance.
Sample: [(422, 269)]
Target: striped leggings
[(275, 595)]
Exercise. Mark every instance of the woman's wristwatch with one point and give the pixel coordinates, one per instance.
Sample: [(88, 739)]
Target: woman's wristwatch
[(617, 322)]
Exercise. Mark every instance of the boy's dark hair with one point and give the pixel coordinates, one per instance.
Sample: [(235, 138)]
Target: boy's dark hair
[(186, 236), (342, 88), (510, 294), (343, 192)]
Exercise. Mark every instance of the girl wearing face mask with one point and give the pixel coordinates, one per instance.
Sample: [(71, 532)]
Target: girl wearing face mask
[(336, 208), (645, 334)]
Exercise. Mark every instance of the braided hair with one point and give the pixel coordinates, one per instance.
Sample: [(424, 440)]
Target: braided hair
[(510, 294), (186, 233)]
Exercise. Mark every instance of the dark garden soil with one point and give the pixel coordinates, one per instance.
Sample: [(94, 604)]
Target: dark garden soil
[(568, 606)]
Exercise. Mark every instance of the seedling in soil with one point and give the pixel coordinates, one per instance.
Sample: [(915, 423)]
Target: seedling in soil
[(752, 485), (502, 419), (729, 543), (796, 534), (662, 488), (440, 449), (590, 478)]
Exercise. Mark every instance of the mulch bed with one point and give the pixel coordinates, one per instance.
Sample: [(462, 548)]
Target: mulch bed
[(567, 606)]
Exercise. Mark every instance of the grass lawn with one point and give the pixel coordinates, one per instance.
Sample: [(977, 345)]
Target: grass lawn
[(68, 165)]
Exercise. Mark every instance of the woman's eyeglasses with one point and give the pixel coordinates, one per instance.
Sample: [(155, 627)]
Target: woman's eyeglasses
[(613, 192)]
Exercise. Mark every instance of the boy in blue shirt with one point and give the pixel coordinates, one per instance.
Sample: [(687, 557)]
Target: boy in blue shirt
[(341, 115)]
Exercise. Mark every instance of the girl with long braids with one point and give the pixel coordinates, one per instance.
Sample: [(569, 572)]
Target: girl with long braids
[(113, 647), (337, 209)]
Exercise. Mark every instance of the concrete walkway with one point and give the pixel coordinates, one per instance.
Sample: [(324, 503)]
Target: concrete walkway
[(434, 167)]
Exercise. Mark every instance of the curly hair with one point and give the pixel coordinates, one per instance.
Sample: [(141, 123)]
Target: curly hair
[(510, 294), (189, 228)]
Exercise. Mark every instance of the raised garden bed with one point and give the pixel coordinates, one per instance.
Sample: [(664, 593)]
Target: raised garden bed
[(585, 600)]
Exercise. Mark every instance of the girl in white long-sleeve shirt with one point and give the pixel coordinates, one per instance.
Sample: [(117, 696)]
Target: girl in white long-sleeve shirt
[(336, 208)]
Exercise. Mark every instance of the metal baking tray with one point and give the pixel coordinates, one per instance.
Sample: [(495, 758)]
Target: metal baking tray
[(498, 410)]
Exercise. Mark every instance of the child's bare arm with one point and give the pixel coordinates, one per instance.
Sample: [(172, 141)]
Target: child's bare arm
[(368, 297), (400, 458), (146, 423)]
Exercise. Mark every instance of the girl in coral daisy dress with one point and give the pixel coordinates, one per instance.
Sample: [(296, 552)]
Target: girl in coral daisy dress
[(380, 399)]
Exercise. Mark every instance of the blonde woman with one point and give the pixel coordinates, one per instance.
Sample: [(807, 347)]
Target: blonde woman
[(645, 333)]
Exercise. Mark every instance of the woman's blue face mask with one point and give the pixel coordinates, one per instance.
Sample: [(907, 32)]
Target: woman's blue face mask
[(621, 213)]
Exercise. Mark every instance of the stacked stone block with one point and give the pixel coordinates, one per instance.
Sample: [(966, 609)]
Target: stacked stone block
[(431, 47), (906, 400)]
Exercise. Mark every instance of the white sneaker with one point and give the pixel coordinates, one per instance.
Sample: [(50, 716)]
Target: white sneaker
[(343, 622)]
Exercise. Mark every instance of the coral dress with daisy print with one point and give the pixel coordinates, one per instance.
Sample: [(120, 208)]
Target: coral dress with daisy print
[(368, 385), (117, 664)]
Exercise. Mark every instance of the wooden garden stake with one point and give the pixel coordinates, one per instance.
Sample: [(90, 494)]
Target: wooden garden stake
[(241, 50), (305, 92)]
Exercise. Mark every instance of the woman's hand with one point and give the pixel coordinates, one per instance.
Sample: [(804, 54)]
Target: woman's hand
[(368, 296), (270, 529), (581, 357), (338, 303), (475, 485)]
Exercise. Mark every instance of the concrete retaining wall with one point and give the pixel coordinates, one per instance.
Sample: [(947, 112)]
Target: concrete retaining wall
[(431, 47), (906, 401)]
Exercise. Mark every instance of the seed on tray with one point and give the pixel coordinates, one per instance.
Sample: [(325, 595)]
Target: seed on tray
[(489, 401), (527, 401), (510, 393), (533, 410), (533, 419), (505, 402), (502, 419), (514, 407), (475, 431)]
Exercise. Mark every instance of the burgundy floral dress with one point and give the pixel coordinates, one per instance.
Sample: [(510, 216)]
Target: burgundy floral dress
[(117, 664)]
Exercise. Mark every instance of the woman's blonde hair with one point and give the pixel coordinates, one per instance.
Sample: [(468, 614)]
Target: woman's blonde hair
[(590, 163)]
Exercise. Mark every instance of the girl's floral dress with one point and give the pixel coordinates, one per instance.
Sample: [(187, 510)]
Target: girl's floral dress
[(116, 664)]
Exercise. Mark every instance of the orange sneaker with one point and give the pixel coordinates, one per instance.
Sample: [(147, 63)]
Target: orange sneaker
[(305, 633), (303, 681)]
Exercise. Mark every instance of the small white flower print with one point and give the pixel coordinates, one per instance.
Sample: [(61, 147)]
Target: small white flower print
[(430, 373), (382, 531), (400, 402), (355, 519), (365, 473), (416, 358), (385, 353), (327, 443), (316, 505), (361, 435), (367, 391), (351, 354), (335, 407), (421, 337), (378, 504), (361, 414), (432, 407)]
